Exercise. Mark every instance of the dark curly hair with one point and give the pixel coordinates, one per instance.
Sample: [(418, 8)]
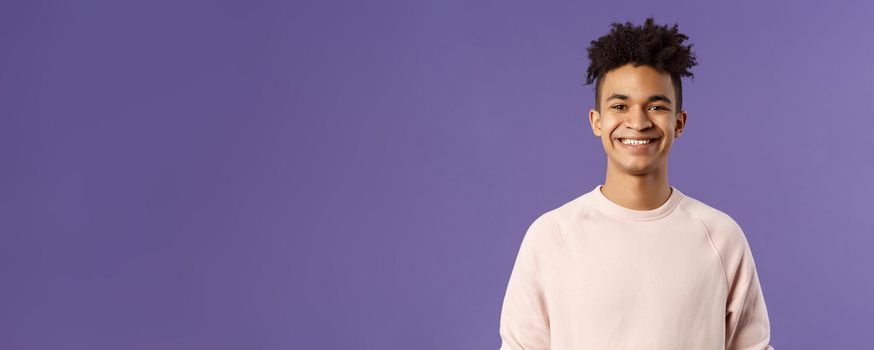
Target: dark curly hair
[(657, 46)]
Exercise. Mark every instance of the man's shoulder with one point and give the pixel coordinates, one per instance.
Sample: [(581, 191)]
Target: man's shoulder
[(704, 212), (719, 225), (551, 225), (569, 210)]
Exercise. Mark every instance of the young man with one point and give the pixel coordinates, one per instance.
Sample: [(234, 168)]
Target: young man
[(635, 263)]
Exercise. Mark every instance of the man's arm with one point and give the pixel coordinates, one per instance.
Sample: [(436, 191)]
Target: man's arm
[(747, 326), (524, 316)]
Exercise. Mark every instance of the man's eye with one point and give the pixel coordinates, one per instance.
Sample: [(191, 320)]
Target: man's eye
[(660, 107), (618, 107)]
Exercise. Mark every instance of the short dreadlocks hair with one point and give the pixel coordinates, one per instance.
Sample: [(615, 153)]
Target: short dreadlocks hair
[(657, 46)]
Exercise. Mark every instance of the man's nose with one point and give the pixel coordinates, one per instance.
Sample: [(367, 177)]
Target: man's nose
[(638, 119)]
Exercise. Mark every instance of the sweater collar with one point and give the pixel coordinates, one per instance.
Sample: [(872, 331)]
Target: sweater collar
[(608, 206)]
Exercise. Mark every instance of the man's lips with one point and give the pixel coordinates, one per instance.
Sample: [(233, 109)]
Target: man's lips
[(639, 147), (638, 138)]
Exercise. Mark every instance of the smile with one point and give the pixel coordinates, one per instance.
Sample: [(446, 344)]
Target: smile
[(637, 145), (634, 142)]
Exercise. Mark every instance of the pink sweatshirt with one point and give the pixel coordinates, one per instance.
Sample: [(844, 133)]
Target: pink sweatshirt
[(591, 274)]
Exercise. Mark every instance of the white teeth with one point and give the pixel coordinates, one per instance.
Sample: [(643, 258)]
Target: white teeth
[(635, 142)]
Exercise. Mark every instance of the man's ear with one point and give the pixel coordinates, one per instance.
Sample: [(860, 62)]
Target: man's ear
[(680, 124), (595, 121)]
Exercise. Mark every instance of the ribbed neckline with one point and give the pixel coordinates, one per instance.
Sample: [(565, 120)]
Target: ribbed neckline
[(614, 209)]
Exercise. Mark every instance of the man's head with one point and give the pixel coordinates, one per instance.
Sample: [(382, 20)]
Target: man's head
[(638, 93), (650, 44)]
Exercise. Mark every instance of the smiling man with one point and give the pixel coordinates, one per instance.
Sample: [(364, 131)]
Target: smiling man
[(635, 263)]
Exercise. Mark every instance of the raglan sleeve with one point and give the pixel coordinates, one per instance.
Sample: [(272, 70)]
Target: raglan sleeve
[(524, 321), (747, 326)]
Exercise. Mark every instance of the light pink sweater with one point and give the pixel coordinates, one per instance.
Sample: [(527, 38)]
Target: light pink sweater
[(591, 274)]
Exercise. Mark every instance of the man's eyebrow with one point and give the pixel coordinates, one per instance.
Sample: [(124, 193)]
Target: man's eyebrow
[(651, 98), (619, 96), (659, 98)]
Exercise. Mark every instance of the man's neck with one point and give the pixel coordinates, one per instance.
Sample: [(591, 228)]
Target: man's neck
[(638, 192)]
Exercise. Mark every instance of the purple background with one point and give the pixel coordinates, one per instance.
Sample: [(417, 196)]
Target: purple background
[(293, 175)]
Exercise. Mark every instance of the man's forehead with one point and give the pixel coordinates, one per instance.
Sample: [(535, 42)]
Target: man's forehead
[(636, 82), (636, 89), (650, 98)]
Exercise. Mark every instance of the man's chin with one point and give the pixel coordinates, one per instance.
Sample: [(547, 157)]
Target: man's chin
[(637, 169)]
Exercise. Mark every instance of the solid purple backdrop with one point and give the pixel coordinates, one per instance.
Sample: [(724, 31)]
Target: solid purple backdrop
[(269, 175)]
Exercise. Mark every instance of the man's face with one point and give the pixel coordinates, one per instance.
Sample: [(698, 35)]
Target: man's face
[(637, 103)]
